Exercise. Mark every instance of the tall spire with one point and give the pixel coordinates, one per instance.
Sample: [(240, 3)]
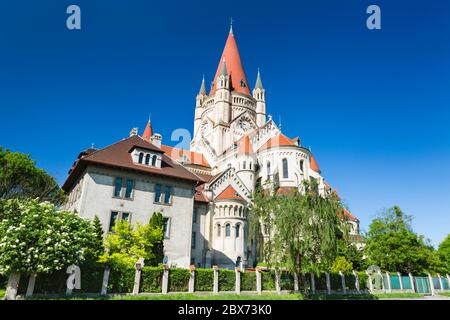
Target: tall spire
[(258, 84), (148, 132), (234, 67), (202, 87), (231, 25)]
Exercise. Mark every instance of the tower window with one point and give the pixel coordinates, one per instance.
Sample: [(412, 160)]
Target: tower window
[(218, 230), (285, 168), (243, 83), (238, 230), (244, 165), (301, 165), (227, 230)]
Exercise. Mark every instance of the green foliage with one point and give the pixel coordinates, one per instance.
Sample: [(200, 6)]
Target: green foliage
[(348, 250), (20, 179), (363, 280), (204, 279), (36, 237), (393, 246), (179, 280), (341, 264), (268, 280), (227, 280), (157, 222), (286, 280), (95, 249), (248, 281), (444, 253), (321, 282), (151, 279), (126, 245), (335, 281), (121, 276), (302, 229), (350, 283)]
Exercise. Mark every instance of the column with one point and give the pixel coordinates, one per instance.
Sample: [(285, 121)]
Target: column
[(191, 278), (31, 282), (165, 280), (357, 286), (430, 280), (388, 275), (277, 281), (137, 275), (400, 280), (411, 279), (440, 282), (258, 280), (313, 282), (343, 282), (216, 279), (238, 280), (105, 281), (327, 275)]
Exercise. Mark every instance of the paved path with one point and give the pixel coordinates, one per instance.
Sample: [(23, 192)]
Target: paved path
[(436, 297)]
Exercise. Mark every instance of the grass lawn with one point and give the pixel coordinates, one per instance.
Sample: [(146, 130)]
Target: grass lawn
[(445, 294), (374, 296)]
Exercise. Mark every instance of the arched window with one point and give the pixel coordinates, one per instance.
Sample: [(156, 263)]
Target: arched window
[(227, 230), (243, 165), (147, 159), (238, 230), (301, 165), (285, 168), (141, 157), (268, 170), (250, 166), (154, 160), (218, 230)]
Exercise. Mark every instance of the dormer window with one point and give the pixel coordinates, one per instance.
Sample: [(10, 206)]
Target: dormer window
[(141, 157), (147, 159)]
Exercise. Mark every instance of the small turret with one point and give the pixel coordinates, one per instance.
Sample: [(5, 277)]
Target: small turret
[(259, 93)]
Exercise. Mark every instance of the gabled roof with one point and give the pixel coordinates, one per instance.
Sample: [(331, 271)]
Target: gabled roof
[(233, 67), (278, 140), (118, 155), (348, 215), (181, 154), (229, 193)]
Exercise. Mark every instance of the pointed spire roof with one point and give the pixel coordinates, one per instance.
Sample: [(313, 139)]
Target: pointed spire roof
[(258, 84), (228, 194), (245, 147), (148, 132), (223, 71), (202, 87), (234, 67)]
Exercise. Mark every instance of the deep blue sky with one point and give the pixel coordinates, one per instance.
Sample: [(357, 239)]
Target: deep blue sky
[(373, 105)]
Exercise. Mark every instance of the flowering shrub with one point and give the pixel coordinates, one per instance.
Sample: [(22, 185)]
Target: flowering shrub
[(36, 237)]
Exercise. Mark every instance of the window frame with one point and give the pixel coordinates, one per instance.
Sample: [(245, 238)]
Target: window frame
[(285, 166)]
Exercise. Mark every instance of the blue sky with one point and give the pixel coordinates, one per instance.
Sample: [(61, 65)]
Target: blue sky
[(373, 105)]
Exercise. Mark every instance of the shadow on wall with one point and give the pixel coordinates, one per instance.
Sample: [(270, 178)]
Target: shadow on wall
[(223, 261)]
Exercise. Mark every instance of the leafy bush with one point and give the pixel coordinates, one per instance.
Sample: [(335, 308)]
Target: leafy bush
[(363, 280), (268, 280), (321, 281), (151, 279), (336, 281), (350, 282), (248, 281), (204, 279), (47, 283), (286, 281), (227, 280), (179, 280), (121, 277)]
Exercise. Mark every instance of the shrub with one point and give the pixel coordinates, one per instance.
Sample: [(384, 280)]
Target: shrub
[(179, 280), (321, 281), (151, 279), (248, 281), (336, 282), (204, 279), (227, 280), (363, 280), (121, 277), (350, 282), (267, 280), (286, 281)]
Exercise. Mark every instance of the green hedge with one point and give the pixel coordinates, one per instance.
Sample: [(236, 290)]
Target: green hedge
[(227, 280), (305, 282), (267, 280), (151, 279), (363, 280), (121, 278), (336, 281), (179, 280), (286, 281), (204, 279), (350, 282), (321, 281), (248, 281)]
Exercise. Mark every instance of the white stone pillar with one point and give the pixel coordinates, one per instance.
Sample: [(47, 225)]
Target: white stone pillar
[(313, 282), (216, 279), (105, 281), (296, 286), (400, 280), (31, 283), (12, 286), (440, 282), (191, 278), (137, 275), (430, 280), (277, 282), (238, 280), (448, 280), (388, 276), (357, 286), (343, 282), (411, 279), (258, 280), (369, 280), (327, 275), (165, 280)]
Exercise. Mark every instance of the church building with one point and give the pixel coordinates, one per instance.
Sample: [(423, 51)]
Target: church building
[(203, 193)]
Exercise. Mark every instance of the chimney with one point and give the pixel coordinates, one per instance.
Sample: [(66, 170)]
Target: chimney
[(134, 132), (156, 140)]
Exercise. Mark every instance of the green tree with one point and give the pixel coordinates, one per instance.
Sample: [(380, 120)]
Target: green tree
[(126, 245), (341, 264), (96, 249), (157, 222), (444, 253), (300, 230), (20, 178), (393, 246)]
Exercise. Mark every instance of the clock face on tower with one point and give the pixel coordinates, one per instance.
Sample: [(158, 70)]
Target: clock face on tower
[(244, 124)]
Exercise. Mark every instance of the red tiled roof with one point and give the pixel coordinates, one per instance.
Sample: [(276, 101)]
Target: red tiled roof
[(148, 132), (245, 147), (313, 164), (234, 67), (200, 195), (118, 155), (191, 156), (279, 140), (229, 193), (345, 213)]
